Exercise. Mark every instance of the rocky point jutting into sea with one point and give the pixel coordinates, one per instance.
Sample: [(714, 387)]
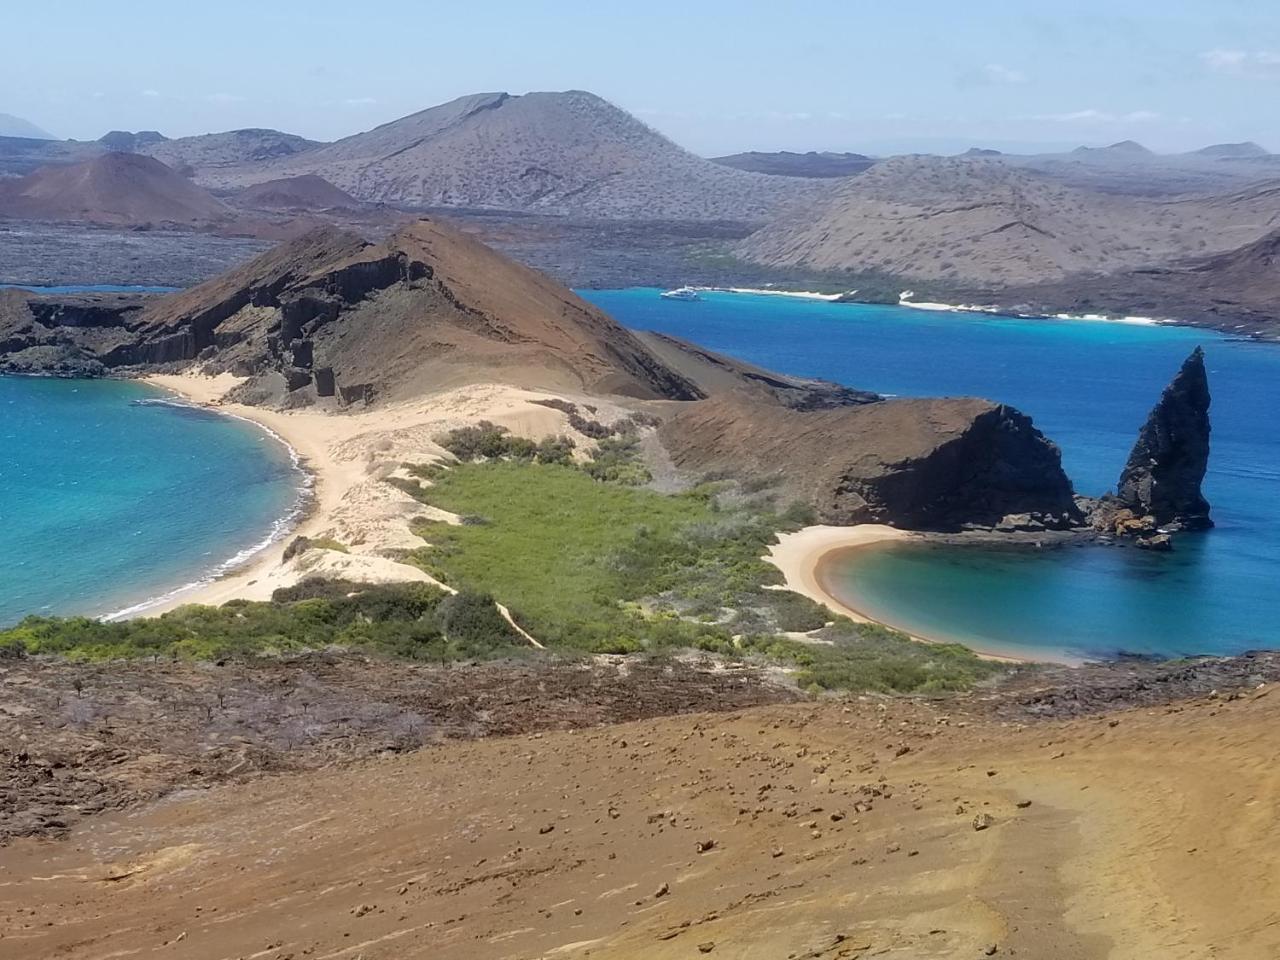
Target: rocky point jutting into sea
[(333, 320), (336, 321)]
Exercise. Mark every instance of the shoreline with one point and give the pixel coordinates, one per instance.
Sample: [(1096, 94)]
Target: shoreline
[(232, 578), (348, 458), (938, 307), (805, 558)]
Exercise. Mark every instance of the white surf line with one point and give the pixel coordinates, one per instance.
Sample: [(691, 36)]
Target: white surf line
[(904, 300), (280, 527), (798, 294)]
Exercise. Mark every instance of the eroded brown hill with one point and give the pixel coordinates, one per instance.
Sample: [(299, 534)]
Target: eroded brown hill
[(114, 188), (307, 192), (918, 463)]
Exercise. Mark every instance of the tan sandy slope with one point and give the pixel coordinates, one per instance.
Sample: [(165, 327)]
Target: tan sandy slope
[(826, 831)]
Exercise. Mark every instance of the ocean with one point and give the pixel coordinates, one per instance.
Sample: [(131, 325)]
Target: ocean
[(111, 495), (1089, 386)]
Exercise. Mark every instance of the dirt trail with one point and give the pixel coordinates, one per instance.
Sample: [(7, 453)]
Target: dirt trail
[(803, 831)]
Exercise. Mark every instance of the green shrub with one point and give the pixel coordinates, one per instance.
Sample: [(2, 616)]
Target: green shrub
[(556, 450), (617, 460), (398, 619)]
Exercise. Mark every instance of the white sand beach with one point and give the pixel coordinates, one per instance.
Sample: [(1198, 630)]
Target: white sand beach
[(802, 556), (350, 456)]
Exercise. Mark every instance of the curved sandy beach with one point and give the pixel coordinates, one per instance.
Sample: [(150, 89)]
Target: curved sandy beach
[(799, 556), (803, 557), (350, 456)]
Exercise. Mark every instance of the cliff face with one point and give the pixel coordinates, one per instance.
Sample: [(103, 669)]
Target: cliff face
[(1167, 465), (331, 318), (919, 464), (330, 315)]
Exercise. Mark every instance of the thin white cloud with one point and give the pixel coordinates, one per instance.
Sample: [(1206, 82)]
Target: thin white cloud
[(999, 73), (1097, 116), (1243, 63), (991, 75), (150, 93), (360, 101)]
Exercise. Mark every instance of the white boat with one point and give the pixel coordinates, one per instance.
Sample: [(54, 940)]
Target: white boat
[(681, 293)]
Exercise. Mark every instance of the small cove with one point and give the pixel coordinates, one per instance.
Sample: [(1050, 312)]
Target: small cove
[(1088, 385)]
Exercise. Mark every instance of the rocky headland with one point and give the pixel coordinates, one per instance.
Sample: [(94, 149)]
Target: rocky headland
[(1159, 491)]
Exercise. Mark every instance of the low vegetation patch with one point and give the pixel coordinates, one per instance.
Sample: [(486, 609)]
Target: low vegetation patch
[(602, 566), (418, 621), (586, 557)]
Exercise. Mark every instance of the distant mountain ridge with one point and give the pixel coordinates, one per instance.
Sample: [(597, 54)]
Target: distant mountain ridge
[(11, 126), (787, 164), (957, 221), (555, 153)]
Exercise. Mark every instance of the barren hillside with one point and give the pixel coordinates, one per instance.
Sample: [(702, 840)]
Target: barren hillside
[(111, 188), (551, 152), (200, 155), (979, 221), (822, 831)]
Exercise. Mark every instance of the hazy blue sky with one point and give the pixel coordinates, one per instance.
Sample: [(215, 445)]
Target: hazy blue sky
[(715, 76)]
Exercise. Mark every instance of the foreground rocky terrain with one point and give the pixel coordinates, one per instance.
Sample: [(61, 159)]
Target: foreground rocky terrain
[(867, 827), (83, 738)]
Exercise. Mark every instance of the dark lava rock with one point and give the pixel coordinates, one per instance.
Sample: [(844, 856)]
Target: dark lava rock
[(921, 464), (1167, 465)]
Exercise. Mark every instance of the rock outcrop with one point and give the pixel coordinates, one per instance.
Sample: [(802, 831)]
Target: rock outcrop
[(330, 318), (1166, 468), (930, 464), (331, 315)]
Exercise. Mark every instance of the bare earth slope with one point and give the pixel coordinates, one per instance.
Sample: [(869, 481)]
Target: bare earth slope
[(1237, 291), (979, 221), (919, 463), (550, 152), (331, 315), (111, 188), (821, 831)]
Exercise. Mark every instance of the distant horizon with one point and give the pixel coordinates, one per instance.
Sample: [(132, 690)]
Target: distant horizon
[(921, 143), (716, 77)]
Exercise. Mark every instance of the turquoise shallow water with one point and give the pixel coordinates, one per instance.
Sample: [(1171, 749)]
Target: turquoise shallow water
[(110, 496), (1088, 385)]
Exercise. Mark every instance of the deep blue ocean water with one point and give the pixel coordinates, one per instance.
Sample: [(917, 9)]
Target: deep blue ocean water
[(1088, 385), (110, 496)]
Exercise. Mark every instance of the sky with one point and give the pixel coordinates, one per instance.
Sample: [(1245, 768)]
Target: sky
[(717, 77)]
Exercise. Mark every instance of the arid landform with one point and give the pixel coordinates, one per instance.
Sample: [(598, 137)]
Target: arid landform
[(520, 684), (572, 185)]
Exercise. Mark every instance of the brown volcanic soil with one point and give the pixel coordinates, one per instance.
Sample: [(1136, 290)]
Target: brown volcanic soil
[(428, 308), (84, 738), (1237, 291), (917, 463), (831, 830), (111, 188)]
